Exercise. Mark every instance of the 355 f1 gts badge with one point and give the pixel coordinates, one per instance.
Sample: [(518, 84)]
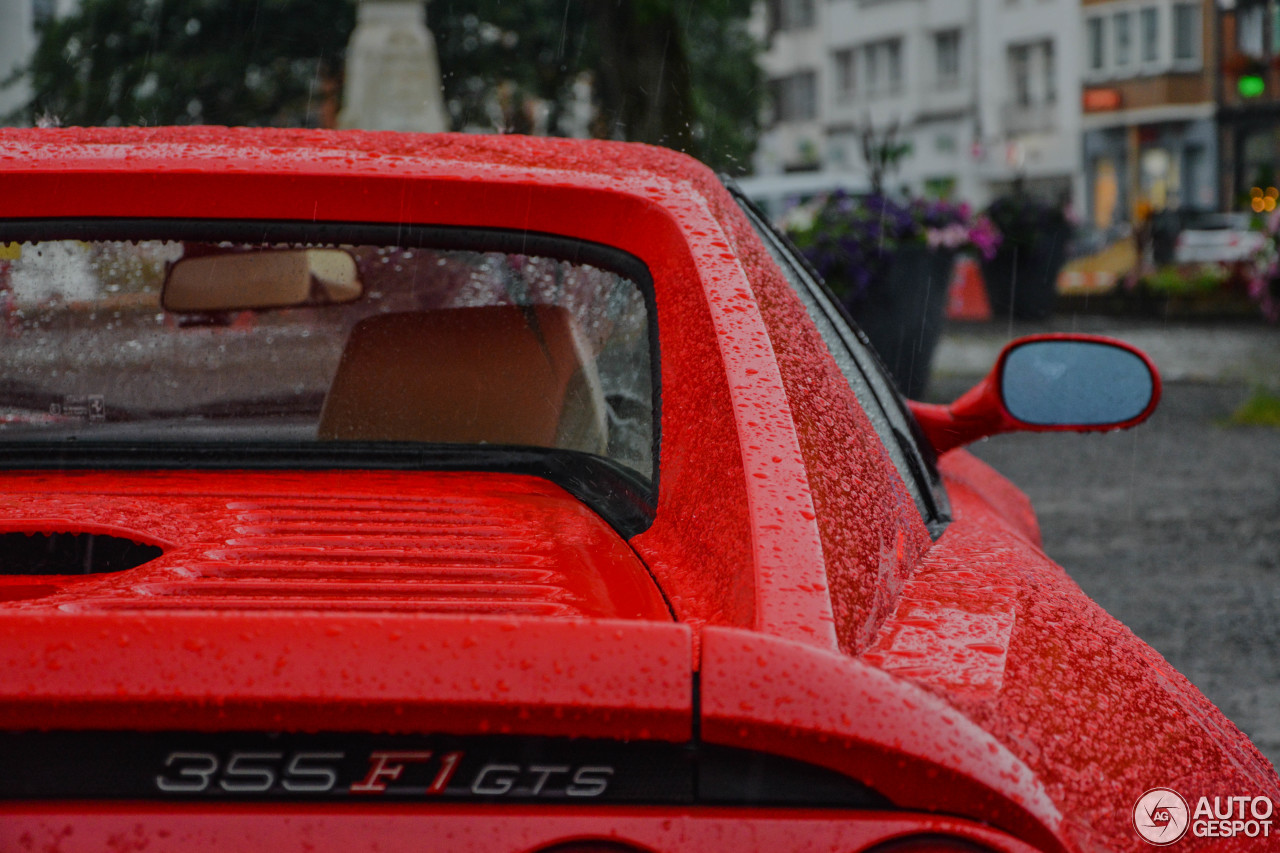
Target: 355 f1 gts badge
[(376, 773)]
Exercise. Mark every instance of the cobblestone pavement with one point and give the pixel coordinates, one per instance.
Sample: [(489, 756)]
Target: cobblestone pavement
[(1197, 352)]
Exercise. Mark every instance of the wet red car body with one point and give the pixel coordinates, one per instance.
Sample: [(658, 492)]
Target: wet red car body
[(785, 614)]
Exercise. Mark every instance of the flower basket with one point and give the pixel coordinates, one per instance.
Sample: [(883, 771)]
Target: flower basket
[(1021, 276), (1264, 271), (904, 316), (1022, 281), (889, 263)]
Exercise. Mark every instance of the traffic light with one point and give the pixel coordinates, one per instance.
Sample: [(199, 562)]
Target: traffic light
[(1251, 85)]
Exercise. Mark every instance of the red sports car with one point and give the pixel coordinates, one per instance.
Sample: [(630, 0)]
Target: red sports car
[(389, 492)]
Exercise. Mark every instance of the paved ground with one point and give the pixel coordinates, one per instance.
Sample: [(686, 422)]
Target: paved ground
[(1232, 352), (1175, 526)]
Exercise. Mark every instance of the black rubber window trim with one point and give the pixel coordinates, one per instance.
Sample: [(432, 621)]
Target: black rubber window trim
[(932, 500)]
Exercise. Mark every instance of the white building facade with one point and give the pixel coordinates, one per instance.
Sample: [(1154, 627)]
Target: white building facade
[(981, 92)]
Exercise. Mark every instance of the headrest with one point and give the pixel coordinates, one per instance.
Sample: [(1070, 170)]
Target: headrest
[(494, 374)]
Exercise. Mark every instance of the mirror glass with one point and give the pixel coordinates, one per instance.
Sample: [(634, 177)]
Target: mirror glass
[(1084, 383), (273, 278)]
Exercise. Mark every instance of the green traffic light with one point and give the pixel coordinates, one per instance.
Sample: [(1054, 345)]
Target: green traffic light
[(1251, 86)]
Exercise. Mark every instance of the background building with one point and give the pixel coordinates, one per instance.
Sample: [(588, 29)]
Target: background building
[(981, 91), (791, 158), (908, 65), (1029, 96), (1150, 137), (1248, 94)]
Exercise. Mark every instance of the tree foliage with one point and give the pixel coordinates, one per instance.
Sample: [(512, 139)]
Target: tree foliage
[(189, 62), (678, 73), (672, 72)]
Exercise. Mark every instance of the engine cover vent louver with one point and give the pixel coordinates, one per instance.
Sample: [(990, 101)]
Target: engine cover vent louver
[(436, 555), (71, 553), (423, 542)]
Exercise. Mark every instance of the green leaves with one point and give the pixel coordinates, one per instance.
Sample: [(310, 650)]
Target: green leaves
[(189, 61), (680, 74), (670, 72)]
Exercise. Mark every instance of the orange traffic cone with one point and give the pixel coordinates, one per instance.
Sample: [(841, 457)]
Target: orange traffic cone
[(967, 295)]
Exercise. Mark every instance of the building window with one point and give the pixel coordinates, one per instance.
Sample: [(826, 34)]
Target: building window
[(1186, 31), (846, 74), (941, 188), (1032, 76), (795, 97), (883, 67), (1122, 23), (1097, 39), (790, 15), (894, 62), (1050, 69), (1150, 17), (1249, 25), (1196, 188), (946, 46), (1020, 74)]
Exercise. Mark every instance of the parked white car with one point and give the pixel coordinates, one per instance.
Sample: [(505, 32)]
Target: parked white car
[(1223, 238)]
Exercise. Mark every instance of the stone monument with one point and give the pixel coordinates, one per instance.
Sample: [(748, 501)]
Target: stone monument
[(392, 72)]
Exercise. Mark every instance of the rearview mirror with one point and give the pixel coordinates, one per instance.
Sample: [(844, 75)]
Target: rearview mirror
[(1081, 383), (267, 278)]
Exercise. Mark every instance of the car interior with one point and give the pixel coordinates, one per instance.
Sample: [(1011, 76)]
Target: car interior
[(304, 342), (493, 374)]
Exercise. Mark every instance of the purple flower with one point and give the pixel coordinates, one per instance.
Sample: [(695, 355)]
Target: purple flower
[(852, 240), (1264, 283)]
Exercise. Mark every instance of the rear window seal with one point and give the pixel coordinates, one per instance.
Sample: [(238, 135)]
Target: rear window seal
[(612, 491)]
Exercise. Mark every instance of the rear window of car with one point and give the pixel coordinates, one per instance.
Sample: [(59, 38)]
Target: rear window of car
[(315, 337), (1219, 222)]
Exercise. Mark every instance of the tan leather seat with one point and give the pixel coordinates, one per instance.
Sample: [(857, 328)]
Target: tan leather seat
[(494, 374)]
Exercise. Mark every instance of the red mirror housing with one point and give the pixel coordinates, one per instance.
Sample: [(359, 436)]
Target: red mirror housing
[(982, 410)]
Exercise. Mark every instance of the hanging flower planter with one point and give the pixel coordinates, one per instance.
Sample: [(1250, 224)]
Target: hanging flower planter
[(889, 263), (1022, 274), (1264, 271), (904, 316)]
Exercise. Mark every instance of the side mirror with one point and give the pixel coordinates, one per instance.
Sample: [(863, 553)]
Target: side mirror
[(267, 278), (1045, 383)]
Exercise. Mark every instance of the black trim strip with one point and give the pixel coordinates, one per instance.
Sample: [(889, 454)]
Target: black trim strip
[(369, 768), (918, 452), (614, 492)]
